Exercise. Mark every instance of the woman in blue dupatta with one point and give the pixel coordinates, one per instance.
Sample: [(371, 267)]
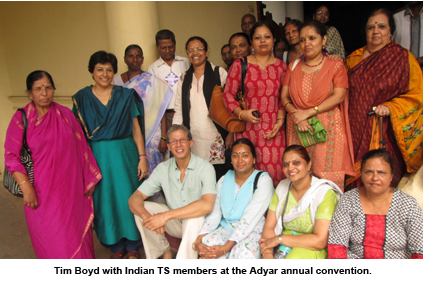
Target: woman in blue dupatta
[(113, 120), (233, 229), (156, 95)]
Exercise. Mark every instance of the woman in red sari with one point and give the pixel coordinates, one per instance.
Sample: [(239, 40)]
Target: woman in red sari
[(385, 76), (316, 86), (59, 206), (263, 82)]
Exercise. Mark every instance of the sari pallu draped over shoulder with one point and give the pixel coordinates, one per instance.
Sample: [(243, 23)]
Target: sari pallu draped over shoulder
[(155, 94), (108, 122), (64, 170), (391, 77)]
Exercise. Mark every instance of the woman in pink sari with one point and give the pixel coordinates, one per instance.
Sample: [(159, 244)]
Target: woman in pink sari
[(58, 206)]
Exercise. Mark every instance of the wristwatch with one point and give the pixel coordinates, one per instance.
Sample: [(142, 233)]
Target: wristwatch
[(316, 109)]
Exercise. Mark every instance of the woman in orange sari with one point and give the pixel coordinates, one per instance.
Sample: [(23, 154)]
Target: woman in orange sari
[(387, 77), (316, 86)]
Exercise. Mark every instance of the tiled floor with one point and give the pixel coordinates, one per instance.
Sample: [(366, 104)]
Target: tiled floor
[(14, 238)]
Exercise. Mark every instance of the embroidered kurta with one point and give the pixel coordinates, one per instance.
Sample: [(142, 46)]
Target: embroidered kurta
[(397, 235), (263, 90), (208, 142), (332, 159), (248, 230)]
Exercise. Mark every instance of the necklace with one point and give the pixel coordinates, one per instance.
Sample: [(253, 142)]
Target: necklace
[(128, 75), (266, 64), (98, 97), (304, 61)]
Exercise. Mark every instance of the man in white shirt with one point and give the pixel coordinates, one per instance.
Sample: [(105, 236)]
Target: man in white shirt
[(408, 33), (168, 67)]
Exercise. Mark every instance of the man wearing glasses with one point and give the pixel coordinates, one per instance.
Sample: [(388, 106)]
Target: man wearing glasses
[(189, 186)]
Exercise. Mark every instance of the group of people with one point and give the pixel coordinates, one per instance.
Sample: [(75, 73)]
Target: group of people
[(260, 193)]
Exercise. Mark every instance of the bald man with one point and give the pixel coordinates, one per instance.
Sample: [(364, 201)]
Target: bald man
[(247, 22)]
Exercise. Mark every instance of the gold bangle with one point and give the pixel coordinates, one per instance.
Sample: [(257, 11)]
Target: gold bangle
[(240, 114), (223, 250), (22, 183)]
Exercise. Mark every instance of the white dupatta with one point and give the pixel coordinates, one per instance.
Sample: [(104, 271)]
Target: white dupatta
[(313, 197)]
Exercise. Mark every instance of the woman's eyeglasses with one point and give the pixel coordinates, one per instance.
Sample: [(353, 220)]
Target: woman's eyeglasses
[(326, 13), (195, 50)]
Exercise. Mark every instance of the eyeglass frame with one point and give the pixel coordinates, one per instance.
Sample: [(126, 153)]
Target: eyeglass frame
[(320, 12), (181, 140), (195, 50)]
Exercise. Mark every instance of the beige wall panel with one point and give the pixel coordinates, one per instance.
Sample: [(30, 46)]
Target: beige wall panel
[(58, 37), (6, 110), (213, 21)]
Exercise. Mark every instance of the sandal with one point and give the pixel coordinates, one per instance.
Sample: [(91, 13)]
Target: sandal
[(118, 255), (132, 255)]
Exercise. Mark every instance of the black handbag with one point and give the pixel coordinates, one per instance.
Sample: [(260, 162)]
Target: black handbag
[(9, 181)]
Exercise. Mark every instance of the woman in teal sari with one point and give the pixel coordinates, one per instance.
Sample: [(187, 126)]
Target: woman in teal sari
[(113, 120)]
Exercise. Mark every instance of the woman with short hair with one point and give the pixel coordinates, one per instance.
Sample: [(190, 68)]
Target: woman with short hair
[(113, 121)]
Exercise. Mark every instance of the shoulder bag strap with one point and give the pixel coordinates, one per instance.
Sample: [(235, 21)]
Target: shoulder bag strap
[(255, 183), (243, 73), (217, 77), (25, 122)]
